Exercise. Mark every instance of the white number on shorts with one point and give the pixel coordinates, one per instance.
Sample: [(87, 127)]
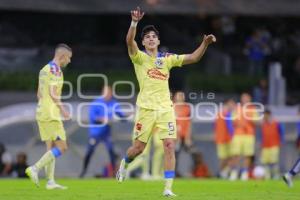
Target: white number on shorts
[(171, 128)]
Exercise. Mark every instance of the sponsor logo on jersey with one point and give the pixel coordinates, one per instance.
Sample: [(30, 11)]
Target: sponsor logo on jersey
[(156, 74)]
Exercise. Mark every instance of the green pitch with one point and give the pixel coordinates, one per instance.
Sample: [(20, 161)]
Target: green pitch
[(101, 189)]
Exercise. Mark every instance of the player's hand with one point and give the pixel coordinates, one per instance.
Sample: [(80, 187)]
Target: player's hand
[(208, 39), (137, 15), (188, 142), (66, 114)]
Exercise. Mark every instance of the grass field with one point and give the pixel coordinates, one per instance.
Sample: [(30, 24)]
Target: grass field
[(90, 189)]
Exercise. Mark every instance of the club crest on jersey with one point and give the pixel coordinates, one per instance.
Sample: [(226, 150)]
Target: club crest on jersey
[(159, 63), (55, 71)]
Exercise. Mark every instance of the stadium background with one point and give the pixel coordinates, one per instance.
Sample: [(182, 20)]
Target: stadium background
[(96, 31)]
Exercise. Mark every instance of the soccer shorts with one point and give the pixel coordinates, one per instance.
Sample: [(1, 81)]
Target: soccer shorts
[(147, 121), (243, 145), (270, 155), (224, 150), (51, 130)]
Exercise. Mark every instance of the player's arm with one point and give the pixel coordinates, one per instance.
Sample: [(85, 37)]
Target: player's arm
[(56, 99), (38, 93), (199, 52), (136, 16)]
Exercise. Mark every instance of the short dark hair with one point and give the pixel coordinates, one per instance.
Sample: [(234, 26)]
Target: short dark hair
[(147, 29), (268, 112), (64, 46)]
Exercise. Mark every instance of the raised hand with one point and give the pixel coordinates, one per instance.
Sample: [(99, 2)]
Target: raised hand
[(208, 39), (136, 15)]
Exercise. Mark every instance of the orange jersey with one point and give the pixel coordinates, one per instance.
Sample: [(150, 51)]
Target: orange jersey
[(201, 170), (244, 121), (222, 134), (270, 134), (183, 121)]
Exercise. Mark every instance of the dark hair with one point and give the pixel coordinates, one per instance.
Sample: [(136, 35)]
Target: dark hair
[(64, 46), (268, 112), (147, 29), (227, 100)]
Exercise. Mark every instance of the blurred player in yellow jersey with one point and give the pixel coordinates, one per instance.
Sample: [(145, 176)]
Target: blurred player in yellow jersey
[(155, 109), (48, 115)]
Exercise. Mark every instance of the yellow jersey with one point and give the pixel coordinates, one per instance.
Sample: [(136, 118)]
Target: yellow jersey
[(153, 74), (47, 110)]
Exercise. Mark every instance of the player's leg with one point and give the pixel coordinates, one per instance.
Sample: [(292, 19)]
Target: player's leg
[(132, 152), (178, 148), (107, 139), (158, 155), (146, 164), (169, 164), (50, 168), (59, 145), (288, 176), (248, 151), (141, 161), (166, 125), (275, 171), (223, 151), (49, 131), (92, 144), (265, 160), (235, 152), (144, 124)]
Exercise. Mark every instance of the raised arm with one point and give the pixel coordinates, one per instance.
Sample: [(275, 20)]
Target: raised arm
[(199, 52), (136, 16)]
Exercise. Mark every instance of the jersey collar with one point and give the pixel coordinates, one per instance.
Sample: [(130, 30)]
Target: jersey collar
[(53, 64), (159, 54)]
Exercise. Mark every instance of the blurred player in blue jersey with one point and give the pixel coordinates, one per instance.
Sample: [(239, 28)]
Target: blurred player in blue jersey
[(102, 110), (288, 176)]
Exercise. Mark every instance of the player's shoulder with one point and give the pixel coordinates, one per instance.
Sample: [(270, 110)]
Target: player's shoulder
[(53, 69), (99, 99), (45, 68), (44, 71), (164, 54)]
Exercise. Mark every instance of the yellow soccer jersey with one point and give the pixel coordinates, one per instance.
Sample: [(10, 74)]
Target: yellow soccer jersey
[(47, 110), (153, 74)]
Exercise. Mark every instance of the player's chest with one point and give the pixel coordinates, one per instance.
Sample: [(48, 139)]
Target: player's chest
[(156, 69)]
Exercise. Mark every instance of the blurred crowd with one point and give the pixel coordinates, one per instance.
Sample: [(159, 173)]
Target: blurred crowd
[(10, 167)]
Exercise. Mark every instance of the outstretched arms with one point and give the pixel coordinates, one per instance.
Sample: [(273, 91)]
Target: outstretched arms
[(199, 52), (136, 16)]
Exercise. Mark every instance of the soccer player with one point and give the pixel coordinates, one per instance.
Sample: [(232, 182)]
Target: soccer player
[(101, 112), (183, 125), (288, 176), (155, 109), (48, 115), (272, 137), (243, 141), (223, 133)]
